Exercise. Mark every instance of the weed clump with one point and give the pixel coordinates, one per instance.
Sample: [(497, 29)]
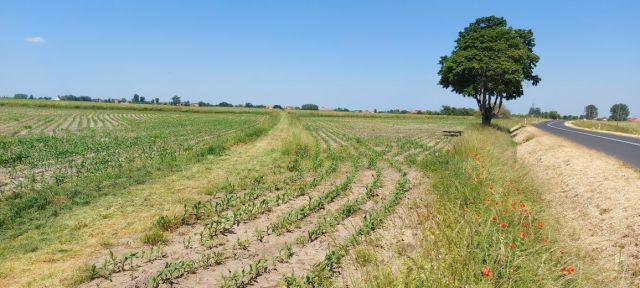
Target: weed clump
[(154, 237)]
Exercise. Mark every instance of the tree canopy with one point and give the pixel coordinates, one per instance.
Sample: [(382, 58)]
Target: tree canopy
[(175, 100), (591, 112), (619, 112), (309, 107), (489, 63), (535, 111)]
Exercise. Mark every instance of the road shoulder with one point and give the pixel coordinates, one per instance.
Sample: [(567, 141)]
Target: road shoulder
[(570, 125), (596, 196)]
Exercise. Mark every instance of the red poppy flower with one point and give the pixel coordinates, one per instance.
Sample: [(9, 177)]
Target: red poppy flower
[(486, 271), (524, 234), (567, 270), (545, 241), (503, 225), (525, 224), (540, 225), (522, 206), (494, 218)]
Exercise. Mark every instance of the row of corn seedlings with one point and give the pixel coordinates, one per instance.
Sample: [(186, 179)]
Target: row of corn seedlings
[(114, 263), (284, 223), (229, 210), (252, 199), (345, 210), (323, 270), (91, 163), (202, 210), (226, 222)]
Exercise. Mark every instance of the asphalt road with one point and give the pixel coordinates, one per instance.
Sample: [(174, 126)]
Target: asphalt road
[(624, 148)]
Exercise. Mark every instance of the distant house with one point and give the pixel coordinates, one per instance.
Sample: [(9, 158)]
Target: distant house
[(634, 119), (269, 107), (57, 98), (325, 109), (290, 108), (602, 119), (414, 111), (195, 105)]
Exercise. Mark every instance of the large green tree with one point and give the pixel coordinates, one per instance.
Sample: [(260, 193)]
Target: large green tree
[(591, 112), (619, 112), (489, 63)]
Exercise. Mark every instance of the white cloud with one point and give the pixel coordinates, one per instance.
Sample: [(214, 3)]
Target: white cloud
[(35, 40)]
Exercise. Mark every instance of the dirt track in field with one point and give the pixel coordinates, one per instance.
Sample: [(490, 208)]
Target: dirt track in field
[(595, 195)]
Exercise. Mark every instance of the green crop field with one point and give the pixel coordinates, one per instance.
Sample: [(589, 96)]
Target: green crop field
[(116, 195)]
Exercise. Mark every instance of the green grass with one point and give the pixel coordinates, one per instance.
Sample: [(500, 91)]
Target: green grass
[(73, 178), (626, 127), (60, 171)]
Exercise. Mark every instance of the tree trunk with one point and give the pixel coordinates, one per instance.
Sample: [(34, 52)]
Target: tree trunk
[(486, 117)]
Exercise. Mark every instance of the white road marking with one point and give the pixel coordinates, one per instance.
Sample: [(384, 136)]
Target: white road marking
[(603, 137)]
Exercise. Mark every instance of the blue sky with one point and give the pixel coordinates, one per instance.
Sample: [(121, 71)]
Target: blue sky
[(355, 54)]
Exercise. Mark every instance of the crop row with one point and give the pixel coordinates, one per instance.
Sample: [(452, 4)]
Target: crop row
[(244, 275), (222, 213), (23, 121), (65, 170), (322, 271)]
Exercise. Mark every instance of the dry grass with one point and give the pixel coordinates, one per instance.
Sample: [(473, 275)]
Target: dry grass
[(624, 127), (597, 197)]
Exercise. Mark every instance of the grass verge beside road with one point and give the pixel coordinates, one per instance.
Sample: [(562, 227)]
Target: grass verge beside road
[(487, 227), (624, 127)]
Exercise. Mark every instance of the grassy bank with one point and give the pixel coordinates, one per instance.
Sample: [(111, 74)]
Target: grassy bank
[(626, 127), (486, 226), (507, 123)]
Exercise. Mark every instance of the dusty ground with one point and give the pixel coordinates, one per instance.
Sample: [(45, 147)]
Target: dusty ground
[(596, 196), (394, 242)]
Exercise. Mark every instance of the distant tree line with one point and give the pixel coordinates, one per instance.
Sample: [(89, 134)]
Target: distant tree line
[(309, 107), (537, 112), (618, 112), (445, 110), (25, 96)]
